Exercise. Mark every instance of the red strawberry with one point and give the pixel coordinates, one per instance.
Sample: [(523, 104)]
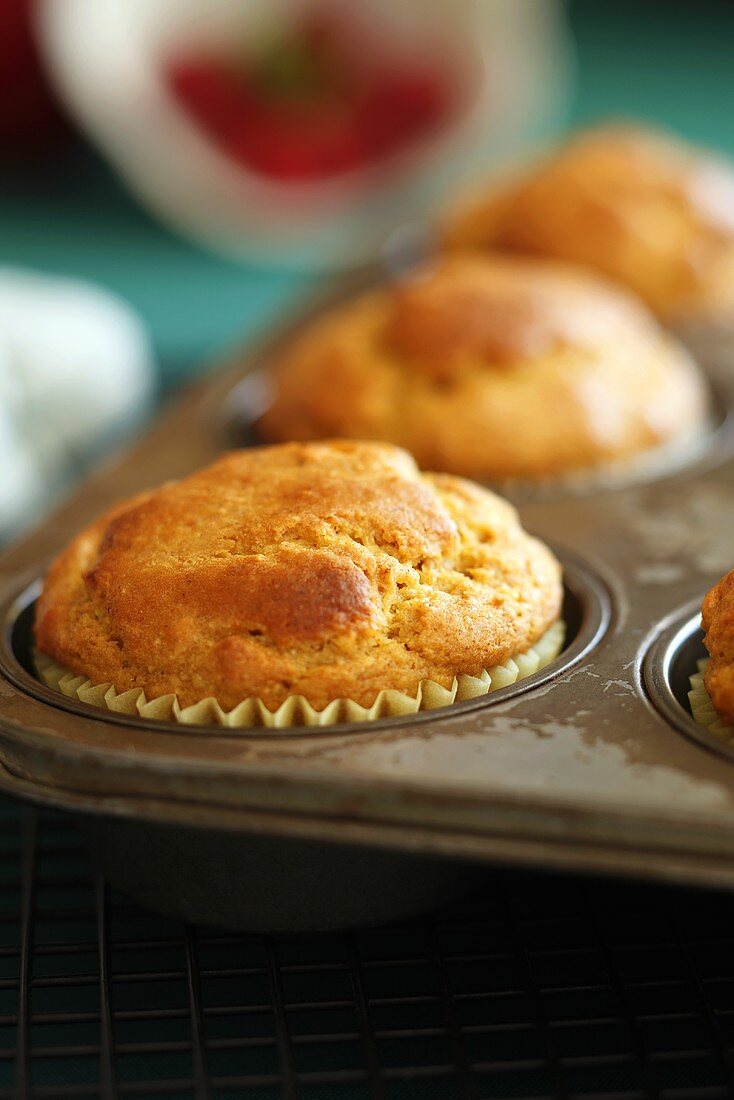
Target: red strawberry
[(322, 100)]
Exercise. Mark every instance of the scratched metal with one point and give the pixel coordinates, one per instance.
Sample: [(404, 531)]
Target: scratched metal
[(578, 769)]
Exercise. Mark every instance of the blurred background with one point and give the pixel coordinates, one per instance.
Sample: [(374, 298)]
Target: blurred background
[(177, 173)]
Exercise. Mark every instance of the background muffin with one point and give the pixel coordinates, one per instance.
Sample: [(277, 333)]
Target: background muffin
[(717, 619), (640, 206), (491, 367), (325, 570)]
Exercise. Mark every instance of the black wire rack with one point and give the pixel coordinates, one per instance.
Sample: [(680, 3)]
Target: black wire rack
[(538, 988)]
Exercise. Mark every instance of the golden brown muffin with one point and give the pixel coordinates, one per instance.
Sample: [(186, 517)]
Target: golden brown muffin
[(329, 570), (717, 619), (491, 367), (642, 207)]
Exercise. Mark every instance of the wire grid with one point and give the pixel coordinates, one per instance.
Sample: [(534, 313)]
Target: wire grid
[(542, 987)]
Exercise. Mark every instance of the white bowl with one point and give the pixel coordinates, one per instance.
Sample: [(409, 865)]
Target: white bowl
[(106, 61)]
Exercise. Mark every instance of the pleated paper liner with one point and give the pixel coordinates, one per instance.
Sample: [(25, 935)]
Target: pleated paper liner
[(295, 710), (649, 465), (702, 708)]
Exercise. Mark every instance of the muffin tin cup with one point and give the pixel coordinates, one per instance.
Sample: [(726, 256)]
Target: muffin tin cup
[(581, 765), (584, 619), (260, 883), (236, 872), (673, 672)]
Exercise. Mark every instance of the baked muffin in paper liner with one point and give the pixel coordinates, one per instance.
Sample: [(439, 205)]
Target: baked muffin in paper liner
[(327, 572), (635, 203), (296, 710), (499, 368)]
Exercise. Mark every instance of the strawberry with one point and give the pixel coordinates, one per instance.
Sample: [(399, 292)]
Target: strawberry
[(323, 99)]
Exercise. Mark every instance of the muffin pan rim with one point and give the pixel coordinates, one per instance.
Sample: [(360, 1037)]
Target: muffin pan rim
[(585, 586), (679, 629)]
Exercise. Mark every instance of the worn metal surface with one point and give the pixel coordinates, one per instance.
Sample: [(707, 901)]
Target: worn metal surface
[(579, 769)]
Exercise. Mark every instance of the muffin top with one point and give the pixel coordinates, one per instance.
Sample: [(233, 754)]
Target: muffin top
[(649, 211), (717, 619), (491, 366), (329, 570)]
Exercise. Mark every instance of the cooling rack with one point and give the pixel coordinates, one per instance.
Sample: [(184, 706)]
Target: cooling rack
[(537, 987)]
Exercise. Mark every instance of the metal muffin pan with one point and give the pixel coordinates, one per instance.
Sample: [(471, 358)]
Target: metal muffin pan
[(583, 765)]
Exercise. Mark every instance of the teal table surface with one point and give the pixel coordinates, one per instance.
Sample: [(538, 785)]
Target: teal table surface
[(670, 63)]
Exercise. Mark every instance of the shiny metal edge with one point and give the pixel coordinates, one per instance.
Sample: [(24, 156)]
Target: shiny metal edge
[(682, 630)]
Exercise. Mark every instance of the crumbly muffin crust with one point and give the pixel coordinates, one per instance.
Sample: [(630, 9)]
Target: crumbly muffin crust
[(329, 570), (491, 367), (637, 205), (717, 619)]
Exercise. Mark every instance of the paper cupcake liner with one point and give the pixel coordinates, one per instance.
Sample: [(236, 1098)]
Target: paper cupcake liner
[(296, 710), (702, 708), (647, 466)]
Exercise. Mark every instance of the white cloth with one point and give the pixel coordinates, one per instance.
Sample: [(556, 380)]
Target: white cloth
[(76, 372)]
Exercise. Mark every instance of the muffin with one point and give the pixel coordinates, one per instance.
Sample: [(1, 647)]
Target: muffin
[(639, 206), (492, 367), (712, 685), (330, 571)]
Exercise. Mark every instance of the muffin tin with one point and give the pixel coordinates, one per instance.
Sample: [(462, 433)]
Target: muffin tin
[(592, 763)]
